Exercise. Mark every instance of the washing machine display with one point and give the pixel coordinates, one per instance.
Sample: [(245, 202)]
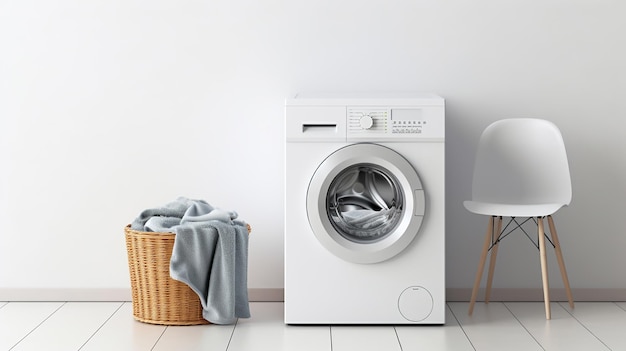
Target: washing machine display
[(365, 203), (365, 210)]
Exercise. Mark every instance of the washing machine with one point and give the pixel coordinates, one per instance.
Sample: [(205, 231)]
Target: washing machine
[(365, 209)]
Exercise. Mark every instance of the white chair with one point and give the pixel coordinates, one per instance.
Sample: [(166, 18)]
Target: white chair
[(521, 171)]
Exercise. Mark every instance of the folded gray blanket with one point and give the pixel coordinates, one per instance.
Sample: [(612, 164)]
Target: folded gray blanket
[(210, 254)]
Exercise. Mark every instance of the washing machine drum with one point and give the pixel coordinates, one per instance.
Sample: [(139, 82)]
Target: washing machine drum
[(365, 203)]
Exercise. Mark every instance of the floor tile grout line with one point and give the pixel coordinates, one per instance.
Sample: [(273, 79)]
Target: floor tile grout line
[(619, 306), (232, 333), (460, 326), (101, 325), (330, 332), (523, 326), (3, 303), (38, 325), (398, 338), (584, 326), (159, 338)]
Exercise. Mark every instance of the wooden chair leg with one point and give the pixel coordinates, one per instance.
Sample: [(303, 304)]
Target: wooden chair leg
[(481, 264), (492, 259), (544, 266), (559, 258)]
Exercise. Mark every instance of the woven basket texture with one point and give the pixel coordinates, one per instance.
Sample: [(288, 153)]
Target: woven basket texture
[(157, 298)]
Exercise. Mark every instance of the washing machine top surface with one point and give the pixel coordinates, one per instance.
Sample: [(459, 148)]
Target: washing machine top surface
[(364, 99)]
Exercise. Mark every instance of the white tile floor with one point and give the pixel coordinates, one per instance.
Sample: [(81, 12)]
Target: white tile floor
[(497, 326)]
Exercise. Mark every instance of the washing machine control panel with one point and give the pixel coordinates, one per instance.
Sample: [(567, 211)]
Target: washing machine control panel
[(395, 123)]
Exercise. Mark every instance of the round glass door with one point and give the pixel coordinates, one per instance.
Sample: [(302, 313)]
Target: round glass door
[(365, 203)]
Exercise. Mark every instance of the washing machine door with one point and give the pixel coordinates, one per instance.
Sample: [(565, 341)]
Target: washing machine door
[(365, 203)]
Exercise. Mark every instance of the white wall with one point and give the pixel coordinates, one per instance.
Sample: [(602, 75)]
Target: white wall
[(110, 107)]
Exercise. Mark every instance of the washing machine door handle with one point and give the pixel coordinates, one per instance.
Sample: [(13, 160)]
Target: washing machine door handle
[(420, 202)]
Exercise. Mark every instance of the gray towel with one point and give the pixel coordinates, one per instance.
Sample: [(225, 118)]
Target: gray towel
[(175, 209), (367, 219), (370, 223), (210, 255)]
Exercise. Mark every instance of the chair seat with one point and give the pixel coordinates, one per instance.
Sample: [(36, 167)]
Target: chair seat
[(510, 210)]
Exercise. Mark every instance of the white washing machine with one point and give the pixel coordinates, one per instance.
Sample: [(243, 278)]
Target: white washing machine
[(364, 210)]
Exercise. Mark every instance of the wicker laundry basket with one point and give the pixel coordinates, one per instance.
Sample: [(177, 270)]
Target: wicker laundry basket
[(157, 298)]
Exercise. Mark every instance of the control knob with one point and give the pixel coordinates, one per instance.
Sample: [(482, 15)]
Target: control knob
[(366, 122)]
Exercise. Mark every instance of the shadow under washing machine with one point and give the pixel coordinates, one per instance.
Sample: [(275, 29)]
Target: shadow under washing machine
[(365, 210)]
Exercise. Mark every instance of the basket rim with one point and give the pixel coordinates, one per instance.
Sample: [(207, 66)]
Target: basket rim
[(129, 230)]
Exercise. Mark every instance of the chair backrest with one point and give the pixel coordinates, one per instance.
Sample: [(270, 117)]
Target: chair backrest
[(522, 161)]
